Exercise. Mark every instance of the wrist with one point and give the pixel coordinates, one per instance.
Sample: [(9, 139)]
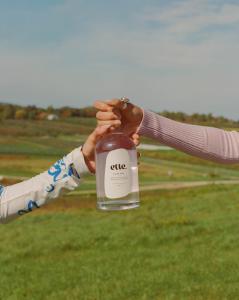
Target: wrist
[(139, 112), (87, 159), (76, 157)]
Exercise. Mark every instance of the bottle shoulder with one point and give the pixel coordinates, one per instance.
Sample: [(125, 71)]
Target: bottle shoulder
[(114, 141)]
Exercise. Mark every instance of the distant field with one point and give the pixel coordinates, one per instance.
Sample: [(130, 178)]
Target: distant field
[(74, 126), (27, 156)]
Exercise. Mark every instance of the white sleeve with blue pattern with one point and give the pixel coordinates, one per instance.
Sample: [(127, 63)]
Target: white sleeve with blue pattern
[(21, 198)]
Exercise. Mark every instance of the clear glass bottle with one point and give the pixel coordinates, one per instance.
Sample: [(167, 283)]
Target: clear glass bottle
[(116, 173)]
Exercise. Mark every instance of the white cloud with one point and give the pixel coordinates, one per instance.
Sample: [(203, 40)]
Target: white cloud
[(193, 16)]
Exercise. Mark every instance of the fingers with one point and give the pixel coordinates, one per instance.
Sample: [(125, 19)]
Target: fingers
[(97, 133), (136, 142), (102, 106), (109, 105), (113, 123), (116, 103), (111, 118), (135, 138), (109, 115)]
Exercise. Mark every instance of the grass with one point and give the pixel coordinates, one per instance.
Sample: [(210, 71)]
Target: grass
[(32, 128), (180, 244), (176, 156), (177, 245), (40, 146)]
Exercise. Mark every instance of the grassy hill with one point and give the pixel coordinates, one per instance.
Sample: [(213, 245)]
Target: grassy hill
[(180, 244)]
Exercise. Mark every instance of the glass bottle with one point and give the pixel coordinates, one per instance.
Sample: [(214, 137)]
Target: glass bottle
[(116, 172)]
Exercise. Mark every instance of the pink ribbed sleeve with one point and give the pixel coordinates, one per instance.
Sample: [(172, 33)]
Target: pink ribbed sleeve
[(205, 142)]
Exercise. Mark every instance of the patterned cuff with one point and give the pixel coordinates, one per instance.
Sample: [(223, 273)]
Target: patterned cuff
[(77, 158)]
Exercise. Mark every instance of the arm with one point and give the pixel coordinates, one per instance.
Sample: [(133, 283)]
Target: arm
[(66, 173), (21, 198), (205, 142)]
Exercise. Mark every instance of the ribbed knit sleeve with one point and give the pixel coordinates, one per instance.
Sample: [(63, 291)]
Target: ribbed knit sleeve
[(205, 142)]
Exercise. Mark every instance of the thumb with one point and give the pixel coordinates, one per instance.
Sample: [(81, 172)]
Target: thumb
[(97, 133), (88, 148)]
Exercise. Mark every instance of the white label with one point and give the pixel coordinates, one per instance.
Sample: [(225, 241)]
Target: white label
[(117, 174)]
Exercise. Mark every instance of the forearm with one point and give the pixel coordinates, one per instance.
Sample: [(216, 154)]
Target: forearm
[(205, 142), (21, 198)]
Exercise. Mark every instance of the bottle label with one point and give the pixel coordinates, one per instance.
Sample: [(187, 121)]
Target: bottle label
[(117, 174)]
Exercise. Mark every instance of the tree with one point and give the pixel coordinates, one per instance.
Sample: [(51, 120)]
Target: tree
[(8, 112), (90, 112), (20, 114), (50, 109), (32, 115), (42, 115), (66, 113)]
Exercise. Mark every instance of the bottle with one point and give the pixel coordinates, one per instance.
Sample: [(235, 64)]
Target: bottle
[(116, 172)]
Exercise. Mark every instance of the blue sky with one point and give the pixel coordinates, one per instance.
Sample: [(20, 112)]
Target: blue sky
[(173, 55)]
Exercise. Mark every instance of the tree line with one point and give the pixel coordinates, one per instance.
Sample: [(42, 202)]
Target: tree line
[(203, 119), (32, 112)]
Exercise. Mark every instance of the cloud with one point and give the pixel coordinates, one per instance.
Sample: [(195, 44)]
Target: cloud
[(193, 16)]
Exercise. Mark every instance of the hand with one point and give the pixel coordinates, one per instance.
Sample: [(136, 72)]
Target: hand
[(113, 113), (88, 148)]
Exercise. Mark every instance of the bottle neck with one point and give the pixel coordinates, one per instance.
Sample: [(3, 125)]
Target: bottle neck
[(118, 130)]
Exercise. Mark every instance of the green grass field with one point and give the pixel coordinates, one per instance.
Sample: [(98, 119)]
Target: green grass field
[(180, 244), (177, 245)]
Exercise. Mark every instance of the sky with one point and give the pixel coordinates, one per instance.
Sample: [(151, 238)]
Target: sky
[(162, 54)]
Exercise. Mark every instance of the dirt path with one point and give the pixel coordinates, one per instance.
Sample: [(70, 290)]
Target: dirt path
[(179, 185), (168, 186), (159, 186)]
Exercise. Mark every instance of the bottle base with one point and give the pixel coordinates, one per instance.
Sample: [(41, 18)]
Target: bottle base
[(116, 205)]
